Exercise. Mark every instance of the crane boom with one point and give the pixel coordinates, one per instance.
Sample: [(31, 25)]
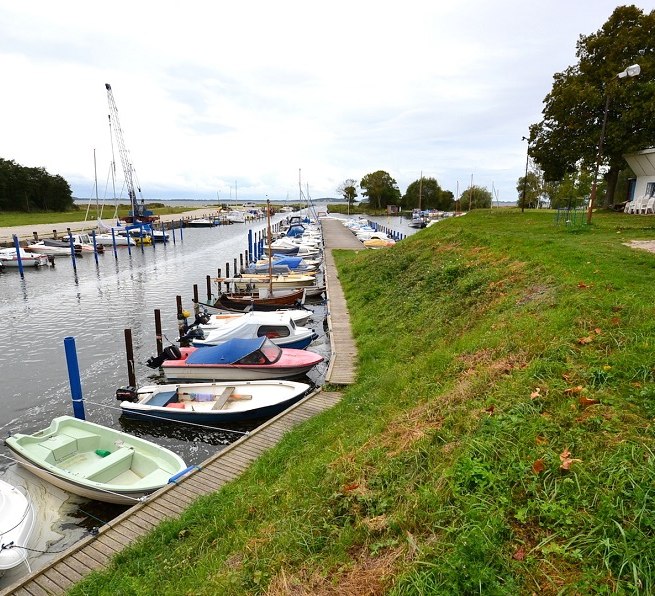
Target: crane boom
[(138, 211)]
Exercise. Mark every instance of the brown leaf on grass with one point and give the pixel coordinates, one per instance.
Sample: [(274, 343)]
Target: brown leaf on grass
[(585, 340), (567, 460), (539, 440), (582, 285), (567, 377), (538, 466), (587, 401), (598, 330), (615, 321), (617, 308), (536, 393), (574, 390), (491, 409), (349, 487), (519, 555)]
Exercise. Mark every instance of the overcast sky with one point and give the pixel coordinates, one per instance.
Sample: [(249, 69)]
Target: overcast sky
[(233, 100)]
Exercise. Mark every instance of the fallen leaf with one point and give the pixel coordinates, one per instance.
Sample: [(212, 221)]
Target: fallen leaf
[(615, 321), (574, 390), (587, 401), (519, 555), (567, 460), (585, 340), (538, 466), (597, 331), (350, 487), (539, 440), (567, 377), (617, 308), (582, 285), (491, 409), (536, 393)]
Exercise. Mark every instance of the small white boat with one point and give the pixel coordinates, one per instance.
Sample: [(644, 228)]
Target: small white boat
[(85, 241), (279, 327), (16, 525), (211, 403), (94, 461), (201, 222), (9, 258)]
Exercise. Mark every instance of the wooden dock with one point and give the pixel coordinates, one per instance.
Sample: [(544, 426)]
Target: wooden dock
[(94, 552)]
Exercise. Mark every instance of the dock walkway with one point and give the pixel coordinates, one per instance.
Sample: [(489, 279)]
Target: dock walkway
[(94, 552)]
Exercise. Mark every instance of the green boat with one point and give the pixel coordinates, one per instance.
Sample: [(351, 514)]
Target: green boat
[(96, 462)]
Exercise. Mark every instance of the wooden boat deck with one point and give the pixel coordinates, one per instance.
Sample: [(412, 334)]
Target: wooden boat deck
[(94, 552)]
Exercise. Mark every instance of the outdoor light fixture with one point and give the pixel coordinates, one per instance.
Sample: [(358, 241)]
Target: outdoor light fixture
[(631, 71)]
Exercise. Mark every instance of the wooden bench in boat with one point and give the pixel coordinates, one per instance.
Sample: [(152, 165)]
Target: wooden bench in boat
[(222, 398)]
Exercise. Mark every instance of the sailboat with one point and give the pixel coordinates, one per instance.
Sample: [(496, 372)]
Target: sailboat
[(418, 221)]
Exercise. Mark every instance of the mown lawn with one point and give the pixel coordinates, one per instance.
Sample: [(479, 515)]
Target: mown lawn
[(499, 438)]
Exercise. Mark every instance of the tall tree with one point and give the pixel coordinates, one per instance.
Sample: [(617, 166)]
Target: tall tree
[(475, 197), (569, 134), (432, 196), (380, 189), (530, 189), (348, 190)]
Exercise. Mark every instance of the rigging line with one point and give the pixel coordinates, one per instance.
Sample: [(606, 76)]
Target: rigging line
[(104, 490), (227, 430), (11, 545)]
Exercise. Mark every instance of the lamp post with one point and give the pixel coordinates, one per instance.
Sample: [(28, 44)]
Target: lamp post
[(631, 71), (525, 178)]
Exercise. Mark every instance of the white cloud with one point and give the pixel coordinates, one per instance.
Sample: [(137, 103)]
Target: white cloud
[(214, 94)]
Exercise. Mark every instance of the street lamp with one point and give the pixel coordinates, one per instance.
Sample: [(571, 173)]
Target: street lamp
[(525, 178), (631, 71)]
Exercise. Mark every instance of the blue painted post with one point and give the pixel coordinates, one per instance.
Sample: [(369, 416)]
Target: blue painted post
[(181, 234), (20, 261), (250, 242), (173, 231), (74, 378), (113, 241), (95, 245), (72, 247)]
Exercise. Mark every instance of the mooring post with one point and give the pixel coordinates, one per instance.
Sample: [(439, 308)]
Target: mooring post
[(208, 281), (54, 234), (72, 247), (181, 319), (36, 236), (74, 378), (218, 283), (18, 259), (95, 245), (173, 231), (158, 333), (129, 352), (250, 241), (113, 242), (196, 306), (181, 235)]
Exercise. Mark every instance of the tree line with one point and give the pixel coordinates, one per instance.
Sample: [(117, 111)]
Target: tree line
[(32, 189), (380, 190)]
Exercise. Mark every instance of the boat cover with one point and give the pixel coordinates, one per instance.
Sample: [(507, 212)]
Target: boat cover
[(227, 353)]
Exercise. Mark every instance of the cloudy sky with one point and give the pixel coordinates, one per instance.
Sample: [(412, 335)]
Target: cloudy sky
[(238, 100)]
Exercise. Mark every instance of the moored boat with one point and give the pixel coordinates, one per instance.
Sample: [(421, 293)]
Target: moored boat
[(9, 258), (236, 359), (95, 461), (211, 403), (16, 525)]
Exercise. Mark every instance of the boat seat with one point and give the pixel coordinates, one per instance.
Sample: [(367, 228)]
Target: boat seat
[(222, 398), (60, 447), (163, 398), (105, 468)]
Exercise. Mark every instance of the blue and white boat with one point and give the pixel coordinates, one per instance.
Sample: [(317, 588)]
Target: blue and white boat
[(279, 327)]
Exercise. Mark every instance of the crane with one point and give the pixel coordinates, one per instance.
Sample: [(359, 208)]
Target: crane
[(138, 211)]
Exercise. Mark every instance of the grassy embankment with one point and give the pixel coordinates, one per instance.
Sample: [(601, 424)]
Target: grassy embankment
[(21, 218), (499, 439)]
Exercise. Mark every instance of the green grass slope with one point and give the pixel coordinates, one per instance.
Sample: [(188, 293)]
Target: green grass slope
[(499, 439)]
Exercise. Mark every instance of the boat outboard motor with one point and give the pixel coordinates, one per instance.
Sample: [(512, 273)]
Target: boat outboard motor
[(128, 393), (194, 333), (169, 353)]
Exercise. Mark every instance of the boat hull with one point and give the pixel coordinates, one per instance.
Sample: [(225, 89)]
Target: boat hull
[(16, 525), (94, 461)]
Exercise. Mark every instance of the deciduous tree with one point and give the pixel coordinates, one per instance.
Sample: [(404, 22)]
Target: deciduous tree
[(381, 189), (569, 134), (432, 196), (348, 190)]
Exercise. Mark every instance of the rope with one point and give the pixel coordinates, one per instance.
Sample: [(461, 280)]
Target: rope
[(227, 430)]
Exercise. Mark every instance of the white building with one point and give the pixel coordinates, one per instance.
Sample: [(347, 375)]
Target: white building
[(642, 198)]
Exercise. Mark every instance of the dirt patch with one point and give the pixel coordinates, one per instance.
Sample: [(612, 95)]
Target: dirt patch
[(648, 245)]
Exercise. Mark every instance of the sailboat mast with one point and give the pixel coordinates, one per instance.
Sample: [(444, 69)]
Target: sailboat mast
[(270, 250), (420, 190)]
